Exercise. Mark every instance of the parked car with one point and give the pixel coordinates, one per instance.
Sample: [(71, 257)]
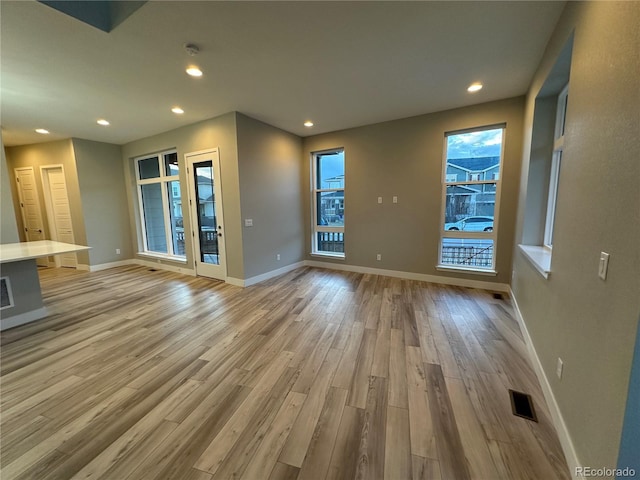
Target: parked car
[(471, 224)]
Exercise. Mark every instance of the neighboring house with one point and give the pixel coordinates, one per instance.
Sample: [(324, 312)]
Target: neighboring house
[(471, 199)]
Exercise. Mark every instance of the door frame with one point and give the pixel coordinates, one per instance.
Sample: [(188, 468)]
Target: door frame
[(48, 203), (219, 211)]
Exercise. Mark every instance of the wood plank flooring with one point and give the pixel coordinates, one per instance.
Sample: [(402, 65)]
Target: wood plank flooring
[(317, 374)]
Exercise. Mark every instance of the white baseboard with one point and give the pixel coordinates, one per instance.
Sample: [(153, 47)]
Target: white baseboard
[(459, 282), (556, 415), (163, 266), (105, 266), (273, 273), (22, 318), (238, 282), (82, 266)]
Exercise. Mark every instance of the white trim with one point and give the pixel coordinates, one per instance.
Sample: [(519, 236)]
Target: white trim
[(470, 270), (84, 267), (238, 282), (539, 257), (273, 273), (459, 282), (163, 266), (22, 318), (105, 266), (164, 256), (556, 415)]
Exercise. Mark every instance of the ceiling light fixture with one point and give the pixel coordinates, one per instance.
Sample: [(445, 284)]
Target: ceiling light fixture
[(308, 123), (194, 71), (177, 110), (474, 87), (103, 122), (42, 131)]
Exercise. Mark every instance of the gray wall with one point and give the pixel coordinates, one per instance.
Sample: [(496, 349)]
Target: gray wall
[(271, 195), (51, 153), (217, 132), (104, 200), (404, 158), (591, 324)]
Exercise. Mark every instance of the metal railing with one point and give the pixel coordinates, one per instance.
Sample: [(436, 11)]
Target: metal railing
[(471, 256), (330, 242)]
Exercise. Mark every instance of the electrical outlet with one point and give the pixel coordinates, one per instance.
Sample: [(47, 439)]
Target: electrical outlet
[(248, 222), (559, 367), (379, 257), (379, 199), (395, 199), (117, 251), (278, 256)]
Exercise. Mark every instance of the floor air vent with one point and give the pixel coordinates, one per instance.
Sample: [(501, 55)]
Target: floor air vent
[(522, 405)]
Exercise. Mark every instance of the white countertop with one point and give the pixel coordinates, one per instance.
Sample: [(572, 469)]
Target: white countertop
[(14, 252)]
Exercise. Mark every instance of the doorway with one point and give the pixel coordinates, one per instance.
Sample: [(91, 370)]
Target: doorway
[(205, 202), (30, 207), (56, 201)]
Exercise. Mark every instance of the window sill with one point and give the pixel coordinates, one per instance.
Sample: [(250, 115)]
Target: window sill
[(335, 256), (539, 257), (473, 271), (162, 256)]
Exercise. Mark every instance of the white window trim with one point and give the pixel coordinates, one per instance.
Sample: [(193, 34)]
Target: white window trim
[(493, 235), (315, 228), (554, 176), (163, 180)]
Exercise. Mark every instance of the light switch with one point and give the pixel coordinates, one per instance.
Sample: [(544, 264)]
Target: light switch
[(379, 199), (248, 222), (603, 265)]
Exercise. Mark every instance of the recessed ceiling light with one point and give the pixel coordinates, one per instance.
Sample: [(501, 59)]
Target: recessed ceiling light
[(177, 110), (103, 122), (474, 87), (42, 131), (308, 123), (194, 71)]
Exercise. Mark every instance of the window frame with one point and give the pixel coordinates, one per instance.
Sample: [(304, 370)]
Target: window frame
[(493, 235), (315, 226), (164, 180), (556, 161)]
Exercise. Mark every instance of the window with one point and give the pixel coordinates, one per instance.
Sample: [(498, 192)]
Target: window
[(160, 204), (554, 176), (328, 202), (468, 234)]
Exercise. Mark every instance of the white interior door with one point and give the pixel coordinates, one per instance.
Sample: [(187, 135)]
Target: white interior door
[(205, 207), (59, 212), (30, 207)]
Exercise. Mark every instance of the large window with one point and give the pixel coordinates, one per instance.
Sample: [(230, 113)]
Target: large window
[(328, 202), (160, 203), (470, 191), (558, 146)]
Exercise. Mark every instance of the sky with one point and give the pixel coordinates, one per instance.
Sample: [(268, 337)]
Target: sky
[(485, 143)]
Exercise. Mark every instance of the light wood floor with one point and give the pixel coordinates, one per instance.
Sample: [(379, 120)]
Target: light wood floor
[(316, 374)]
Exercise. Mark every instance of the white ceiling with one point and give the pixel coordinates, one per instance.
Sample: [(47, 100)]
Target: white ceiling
[(340, 64)]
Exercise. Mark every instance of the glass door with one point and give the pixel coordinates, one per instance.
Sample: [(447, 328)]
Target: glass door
[(206, 214)]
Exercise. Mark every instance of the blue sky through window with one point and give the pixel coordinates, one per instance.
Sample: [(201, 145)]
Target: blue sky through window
[(484, 143)]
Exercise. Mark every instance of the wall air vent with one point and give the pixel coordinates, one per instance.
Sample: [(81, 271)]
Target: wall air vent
[(6, 297)]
